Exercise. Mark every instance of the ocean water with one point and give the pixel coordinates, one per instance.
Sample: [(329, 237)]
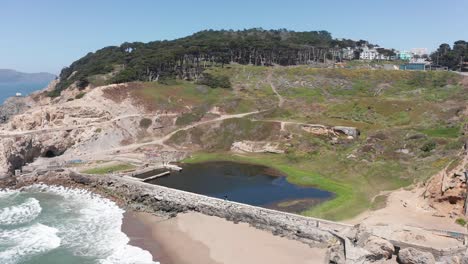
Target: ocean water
[(10, 89), (55, 225)]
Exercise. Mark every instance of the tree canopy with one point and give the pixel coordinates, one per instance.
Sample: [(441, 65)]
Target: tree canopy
[(187, 57), (453, 58)]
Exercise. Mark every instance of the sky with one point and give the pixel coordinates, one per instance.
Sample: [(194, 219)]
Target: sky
[(47, 35)]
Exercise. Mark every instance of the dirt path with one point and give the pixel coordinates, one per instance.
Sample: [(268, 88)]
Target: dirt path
[(71, 127), (161, 141), (273, 87)]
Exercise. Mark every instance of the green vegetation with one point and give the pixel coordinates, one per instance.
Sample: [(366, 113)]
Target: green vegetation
[(443, 132), (145, 123), (461, 221), (214, 81), (109, 169), (187, 58), (452, 57), (428, 146), (406, 135), (80, 95), (409, 121)]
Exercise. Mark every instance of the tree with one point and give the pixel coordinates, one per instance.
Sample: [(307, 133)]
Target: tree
[(187, 58), (454, 58)]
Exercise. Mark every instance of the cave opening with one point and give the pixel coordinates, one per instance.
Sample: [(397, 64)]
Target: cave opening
[(51, 153)]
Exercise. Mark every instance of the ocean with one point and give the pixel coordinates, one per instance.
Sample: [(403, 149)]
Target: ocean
[(55, 225), (10, 89)]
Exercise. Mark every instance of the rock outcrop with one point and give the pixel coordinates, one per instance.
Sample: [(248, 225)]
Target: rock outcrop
[(256, 147), (13, 106), (379, 248), (414, 256)]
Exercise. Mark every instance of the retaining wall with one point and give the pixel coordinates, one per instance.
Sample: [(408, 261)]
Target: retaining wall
[(156, 199)]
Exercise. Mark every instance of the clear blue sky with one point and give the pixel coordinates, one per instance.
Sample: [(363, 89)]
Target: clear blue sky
[(46, 35)]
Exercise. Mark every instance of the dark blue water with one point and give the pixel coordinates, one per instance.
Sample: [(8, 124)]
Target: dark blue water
[(245, 183), (10, 89)]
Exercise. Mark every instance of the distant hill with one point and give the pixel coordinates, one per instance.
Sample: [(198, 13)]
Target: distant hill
[(12, 76), (187, 58)]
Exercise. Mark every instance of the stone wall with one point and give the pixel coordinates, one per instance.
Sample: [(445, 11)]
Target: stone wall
[(156, 199)]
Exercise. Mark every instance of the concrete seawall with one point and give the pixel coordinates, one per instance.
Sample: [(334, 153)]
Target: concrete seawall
[(156, 199)]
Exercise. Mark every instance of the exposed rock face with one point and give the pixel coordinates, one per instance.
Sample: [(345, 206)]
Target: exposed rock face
[(447, 190), (349, 131), (256, 147), (464, 259), (37, 127), (379, 247), (16, 152), (331, 131), (414, 256), (13, 106)]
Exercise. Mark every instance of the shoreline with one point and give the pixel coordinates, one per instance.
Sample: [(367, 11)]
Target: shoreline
[(194, 238)]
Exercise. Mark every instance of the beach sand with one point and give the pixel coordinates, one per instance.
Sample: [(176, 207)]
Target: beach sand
[(194, 238)]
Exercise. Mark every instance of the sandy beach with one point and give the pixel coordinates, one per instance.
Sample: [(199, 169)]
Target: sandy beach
[(194, 238)]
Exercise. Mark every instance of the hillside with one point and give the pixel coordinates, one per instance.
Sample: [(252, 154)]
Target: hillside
[(186, 58), (355, 132), (12, 76)]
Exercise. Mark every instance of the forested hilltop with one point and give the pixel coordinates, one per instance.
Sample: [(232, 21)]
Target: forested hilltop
[(186, 58)]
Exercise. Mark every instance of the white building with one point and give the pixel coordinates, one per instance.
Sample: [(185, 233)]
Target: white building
[(347, 53), (368, 54)]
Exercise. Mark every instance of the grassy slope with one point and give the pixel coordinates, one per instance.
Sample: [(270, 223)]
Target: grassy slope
[(109, 169), (393, 109), (394, 104)]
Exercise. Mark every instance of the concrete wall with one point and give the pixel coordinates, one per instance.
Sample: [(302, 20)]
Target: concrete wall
[(156, 199)]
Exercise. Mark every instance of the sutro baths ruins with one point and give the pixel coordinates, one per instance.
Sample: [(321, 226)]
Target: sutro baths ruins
[(346, 243)]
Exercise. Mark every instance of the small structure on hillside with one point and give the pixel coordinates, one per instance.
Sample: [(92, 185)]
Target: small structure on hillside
[(413, 67)]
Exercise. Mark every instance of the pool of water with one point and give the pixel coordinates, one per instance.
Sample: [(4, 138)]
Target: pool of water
[(244, 183)]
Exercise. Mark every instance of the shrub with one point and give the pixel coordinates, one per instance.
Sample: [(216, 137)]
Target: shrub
[(145, 123), (82, 83), (127, 75), (80, 95), (461, 221), (428, 146), (215, 81), (54, 93)]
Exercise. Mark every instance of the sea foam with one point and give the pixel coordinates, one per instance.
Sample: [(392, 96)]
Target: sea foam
[(90, 226), (20, 214), (25, 243)]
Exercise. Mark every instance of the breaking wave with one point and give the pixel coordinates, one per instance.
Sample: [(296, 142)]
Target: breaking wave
[(42, 218), (20, 214)]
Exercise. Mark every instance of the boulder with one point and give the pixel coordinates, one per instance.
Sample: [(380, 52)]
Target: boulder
[(349, 131), (464, 259), (414, 256), (379, 247)]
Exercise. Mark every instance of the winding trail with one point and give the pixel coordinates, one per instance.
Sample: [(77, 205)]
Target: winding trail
[(161, 141), (72, 127), (273, 87)]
